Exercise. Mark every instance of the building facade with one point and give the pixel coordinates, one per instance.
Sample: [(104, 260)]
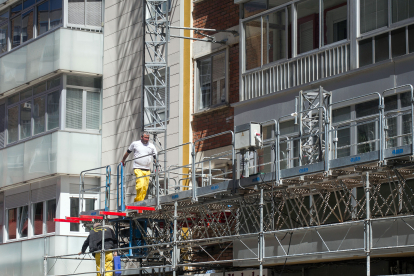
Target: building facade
[(72, 98)]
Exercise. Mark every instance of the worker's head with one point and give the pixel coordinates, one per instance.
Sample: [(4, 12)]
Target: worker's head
[(145, 137), (96, 224)]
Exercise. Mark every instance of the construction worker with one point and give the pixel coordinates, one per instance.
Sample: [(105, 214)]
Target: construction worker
[(94, 241), (144, 151)]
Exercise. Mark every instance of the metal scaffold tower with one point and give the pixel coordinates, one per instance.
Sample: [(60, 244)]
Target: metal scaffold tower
[(155, 73), (313, 123)]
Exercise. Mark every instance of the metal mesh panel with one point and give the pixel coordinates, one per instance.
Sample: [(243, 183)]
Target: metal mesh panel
[(94, 12), (92, 110), (76, 12), (74, 108), (2, 125)]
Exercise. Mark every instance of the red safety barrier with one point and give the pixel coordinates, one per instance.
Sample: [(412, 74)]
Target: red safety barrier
[(121, 214), (66, 220), (91, 217), (80, 219), (140, 208)]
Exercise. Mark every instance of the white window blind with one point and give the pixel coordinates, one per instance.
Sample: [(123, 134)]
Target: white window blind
[(74, 108), (93, 107), (76, 12), (85, 12), (94, 12), (374, 14)]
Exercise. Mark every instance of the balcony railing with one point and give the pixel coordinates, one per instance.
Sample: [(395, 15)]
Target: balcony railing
[(301, 70)]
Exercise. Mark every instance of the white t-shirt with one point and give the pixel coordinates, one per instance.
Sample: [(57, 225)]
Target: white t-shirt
[(139, 150)]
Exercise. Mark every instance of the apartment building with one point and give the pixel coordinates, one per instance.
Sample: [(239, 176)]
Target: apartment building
[(351, 49), (71, 99), (50, 113)]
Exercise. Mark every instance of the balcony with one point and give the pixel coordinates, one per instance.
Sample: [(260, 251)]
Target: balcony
[(63, 49), (297, 71), (55, 153)]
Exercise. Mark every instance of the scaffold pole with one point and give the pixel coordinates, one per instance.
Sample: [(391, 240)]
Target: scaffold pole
[(368, 224)]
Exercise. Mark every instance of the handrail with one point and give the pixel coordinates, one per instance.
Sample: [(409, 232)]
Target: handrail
[(412, 109), (81, 184), (193, 177), (381, 111), (275, 148)]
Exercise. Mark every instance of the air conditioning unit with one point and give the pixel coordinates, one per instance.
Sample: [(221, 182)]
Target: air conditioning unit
[(27, 105), (248, 136)]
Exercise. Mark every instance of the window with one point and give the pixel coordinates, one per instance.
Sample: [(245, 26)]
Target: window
[(77, 9), (12, 223), (289, 148), (38, 217), (17, 222), (398, 119), (253, 7), (24, 25), (267, 38), (4, 27), (308, 25), (398, 42), (272, 29), (336, 21), (78, 116), (43, 214), (377, 48), (211, 87), (373, 14), (83, 103), (33, 111), (343, 131), (50, 215), (402, 9), (89, 205)]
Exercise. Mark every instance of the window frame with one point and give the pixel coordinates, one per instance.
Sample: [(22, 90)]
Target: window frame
[(18, 214), (389, 27), (82, 230), (85, 26), (197, 94), (44, 221), (292, 51), (85, 90), (32, 8), (43, 94), (386, 30)]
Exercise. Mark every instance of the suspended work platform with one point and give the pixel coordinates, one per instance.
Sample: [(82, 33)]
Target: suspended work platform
[(317, 184)]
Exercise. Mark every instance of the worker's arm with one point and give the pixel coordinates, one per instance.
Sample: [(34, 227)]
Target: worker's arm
[(125, 157), (84, 246)]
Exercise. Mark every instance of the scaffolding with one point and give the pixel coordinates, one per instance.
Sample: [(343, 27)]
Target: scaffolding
[(330, 200)]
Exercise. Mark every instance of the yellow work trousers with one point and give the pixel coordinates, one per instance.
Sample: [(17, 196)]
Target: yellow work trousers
[(109, 263), (142, 184)]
